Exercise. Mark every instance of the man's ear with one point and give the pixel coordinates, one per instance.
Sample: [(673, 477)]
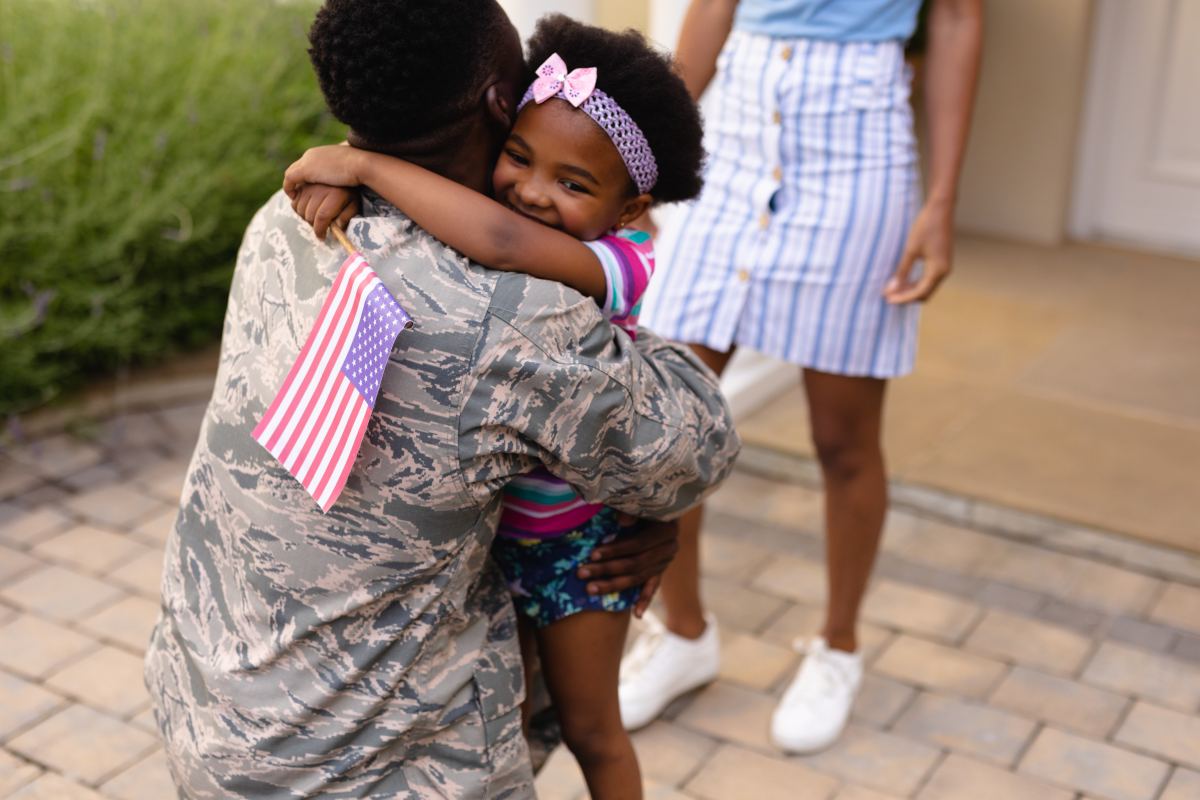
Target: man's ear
[(633, 209), (499, 106)]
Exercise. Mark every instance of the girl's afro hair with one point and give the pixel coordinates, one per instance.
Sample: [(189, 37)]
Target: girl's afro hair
[(644, 82)]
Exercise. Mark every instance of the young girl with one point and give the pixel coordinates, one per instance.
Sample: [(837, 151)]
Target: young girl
[(605, 130)]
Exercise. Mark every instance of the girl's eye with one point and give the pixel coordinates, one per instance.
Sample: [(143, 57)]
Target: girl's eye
[(572, 186), (517, 158)]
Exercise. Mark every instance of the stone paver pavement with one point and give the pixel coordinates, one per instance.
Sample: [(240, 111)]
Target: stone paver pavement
[(997, 668)]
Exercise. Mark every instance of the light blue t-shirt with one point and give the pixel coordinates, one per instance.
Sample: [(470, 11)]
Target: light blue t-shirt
[(840, 20)]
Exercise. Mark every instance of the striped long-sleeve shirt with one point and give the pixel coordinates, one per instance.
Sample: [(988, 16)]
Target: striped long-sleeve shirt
[(539, 505)]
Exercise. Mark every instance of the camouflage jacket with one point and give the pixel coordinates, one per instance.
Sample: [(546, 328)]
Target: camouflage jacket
[(370, 652)]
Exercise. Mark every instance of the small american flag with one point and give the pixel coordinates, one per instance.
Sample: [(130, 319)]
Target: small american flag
[(316, 423)]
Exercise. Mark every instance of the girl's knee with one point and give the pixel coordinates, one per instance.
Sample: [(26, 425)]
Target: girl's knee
[(591, 744)]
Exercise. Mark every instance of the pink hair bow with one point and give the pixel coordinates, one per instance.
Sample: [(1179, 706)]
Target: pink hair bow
[(576, 86)]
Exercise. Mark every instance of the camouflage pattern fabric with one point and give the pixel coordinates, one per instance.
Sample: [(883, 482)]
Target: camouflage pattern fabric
[(371, 652)]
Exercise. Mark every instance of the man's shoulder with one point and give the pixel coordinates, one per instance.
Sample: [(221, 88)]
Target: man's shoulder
[(436, 284), (404, 256), (377, 234), (533, 303)]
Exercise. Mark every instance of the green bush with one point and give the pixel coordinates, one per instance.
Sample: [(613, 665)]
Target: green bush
[(137, 138)]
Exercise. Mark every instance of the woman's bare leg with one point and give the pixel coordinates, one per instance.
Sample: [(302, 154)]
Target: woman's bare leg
[(680, 590), (847, 423)]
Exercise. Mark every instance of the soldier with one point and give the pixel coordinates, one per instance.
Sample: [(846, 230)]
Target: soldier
[(370, 652)]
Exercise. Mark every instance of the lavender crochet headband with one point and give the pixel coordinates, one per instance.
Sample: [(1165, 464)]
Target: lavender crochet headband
[(578, 88)]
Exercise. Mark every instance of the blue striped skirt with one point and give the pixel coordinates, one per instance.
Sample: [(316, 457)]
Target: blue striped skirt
[(810, 188)]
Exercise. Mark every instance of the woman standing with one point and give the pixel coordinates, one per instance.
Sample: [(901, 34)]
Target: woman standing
[(810, 243)]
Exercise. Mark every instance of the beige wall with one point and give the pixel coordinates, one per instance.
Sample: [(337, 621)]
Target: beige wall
[(619, 14), (1021, 156), (614, 14)]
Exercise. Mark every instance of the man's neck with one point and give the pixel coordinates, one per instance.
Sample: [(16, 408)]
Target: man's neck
[(469, 161)]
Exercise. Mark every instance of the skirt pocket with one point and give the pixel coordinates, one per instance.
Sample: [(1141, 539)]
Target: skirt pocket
[(877, 76)]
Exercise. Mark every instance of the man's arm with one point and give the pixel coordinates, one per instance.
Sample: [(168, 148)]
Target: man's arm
[(641, 426)]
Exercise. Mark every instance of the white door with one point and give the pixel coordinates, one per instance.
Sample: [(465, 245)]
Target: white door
[(1138, 177)]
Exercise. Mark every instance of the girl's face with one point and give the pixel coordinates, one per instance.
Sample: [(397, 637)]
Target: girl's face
[(559, 168)]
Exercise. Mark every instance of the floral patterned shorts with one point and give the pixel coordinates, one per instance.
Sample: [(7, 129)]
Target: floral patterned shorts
[(541, 572)]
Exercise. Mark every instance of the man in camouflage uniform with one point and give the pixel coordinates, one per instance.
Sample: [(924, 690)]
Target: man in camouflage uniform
[(370, 652)]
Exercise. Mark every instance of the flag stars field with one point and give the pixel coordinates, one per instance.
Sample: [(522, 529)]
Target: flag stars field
[(377, 332)]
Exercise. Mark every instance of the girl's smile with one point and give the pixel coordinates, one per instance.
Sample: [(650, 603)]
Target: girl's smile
[(558, 167)]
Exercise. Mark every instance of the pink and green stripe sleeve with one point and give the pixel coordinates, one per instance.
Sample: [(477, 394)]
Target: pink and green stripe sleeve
[(627, 258)]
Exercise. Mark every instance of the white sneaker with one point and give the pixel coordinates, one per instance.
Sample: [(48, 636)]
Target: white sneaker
[(815, 708), (662, 666)]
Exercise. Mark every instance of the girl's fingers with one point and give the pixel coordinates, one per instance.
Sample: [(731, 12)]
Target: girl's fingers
[(326, 213), (293, 176), (348, 213), (302, 204)]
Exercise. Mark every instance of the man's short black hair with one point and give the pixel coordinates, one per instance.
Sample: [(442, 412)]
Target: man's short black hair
[(646, 85), (395, 70)]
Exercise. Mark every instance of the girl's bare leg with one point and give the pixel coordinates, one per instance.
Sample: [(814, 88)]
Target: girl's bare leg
[(581, 656), (527, 637)]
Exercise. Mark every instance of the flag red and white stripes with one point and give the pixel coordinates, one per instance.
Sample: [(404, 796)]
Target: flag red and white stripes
[(315, 424)]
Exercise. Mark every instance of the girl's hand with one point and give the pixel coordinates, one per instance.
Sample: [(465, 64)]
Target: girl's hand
[(931, 239), (334, 165), (320, 206)]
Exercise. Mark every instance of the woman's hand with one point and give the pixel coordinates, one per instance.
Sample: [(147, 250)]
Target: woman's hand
[(633, 561), (321, 206), (930, 239), (333, 165), (955, 38)]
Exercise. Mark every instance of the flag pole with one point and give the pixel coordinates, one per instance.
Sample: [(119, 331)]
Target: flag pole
[(340, 235)]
